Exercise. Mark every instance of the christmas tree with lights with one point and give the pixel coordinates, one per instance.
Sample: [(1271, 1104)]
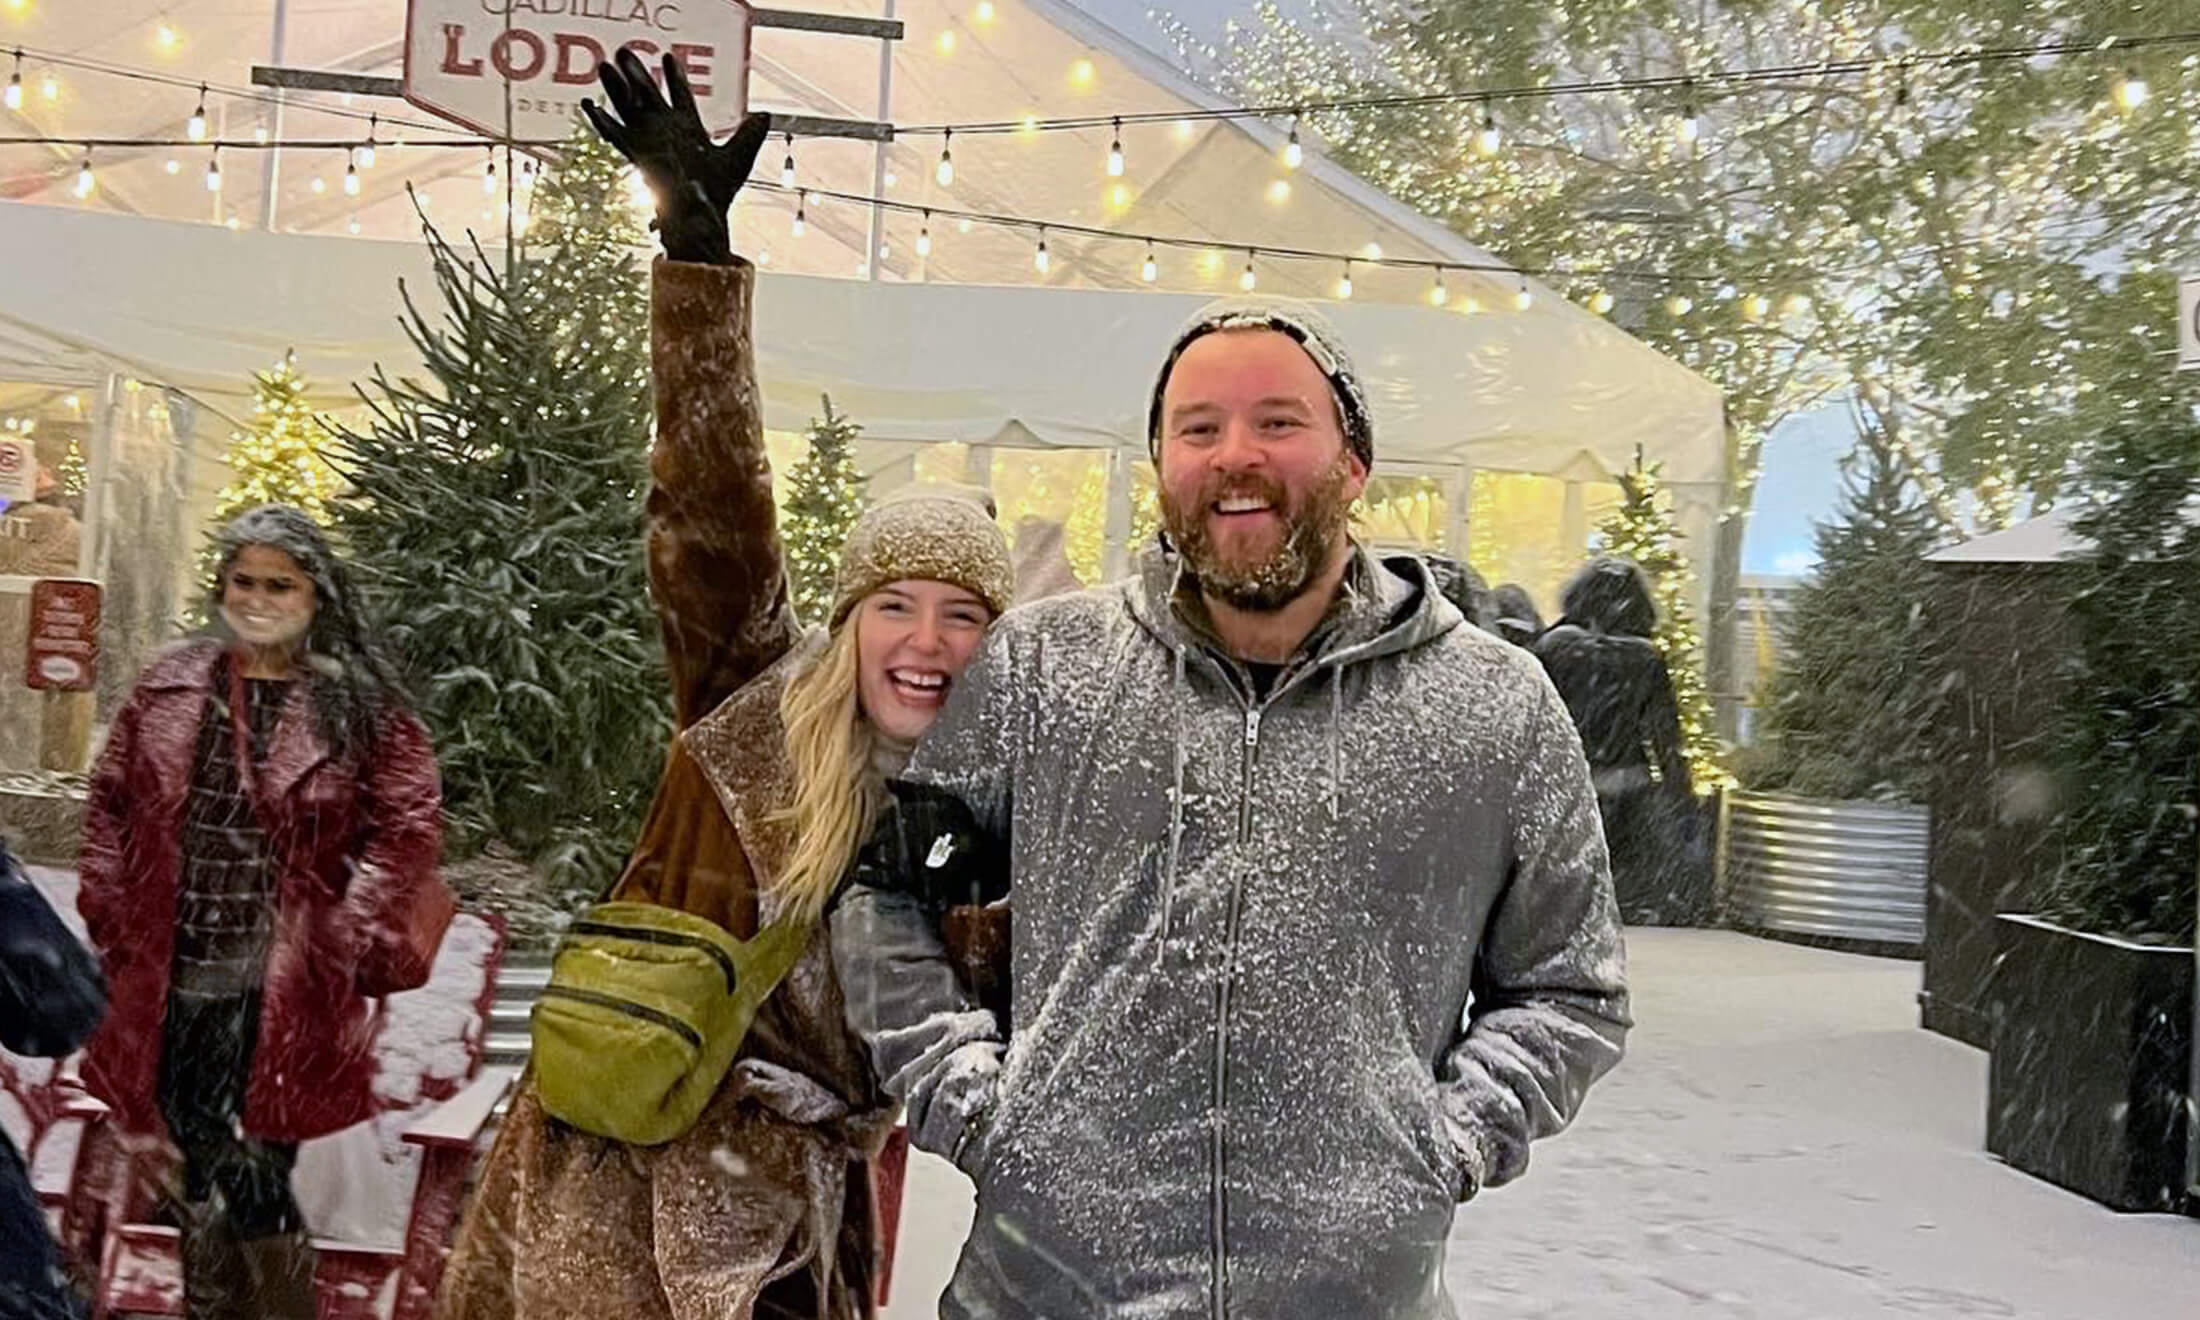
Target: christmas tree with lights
[(495, 517), (1642, 530), (824, 499), (276, 457)]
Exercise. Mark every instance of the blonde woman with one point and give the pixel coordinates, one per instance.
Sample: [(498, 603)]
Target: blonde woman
[(785, 741)]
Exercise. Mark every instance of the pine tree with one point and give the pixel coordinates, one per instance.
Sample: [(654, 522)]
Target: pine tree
[(495, 516), (2129, 736), (824, 499), (276, 458), (1642, 529), (1849, 712)]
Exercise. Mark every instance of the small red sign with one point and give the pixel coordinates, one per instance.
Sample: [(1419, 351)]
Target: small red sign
[(64, 643)]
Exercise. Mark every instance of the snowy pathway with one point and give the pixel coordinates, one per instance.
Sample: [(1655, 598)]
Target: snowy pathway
[(1782, 1143)]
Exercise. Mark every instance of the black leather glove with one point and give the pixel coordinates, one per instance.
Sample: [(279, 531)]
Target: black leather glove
[(693, 178), (927, 844)]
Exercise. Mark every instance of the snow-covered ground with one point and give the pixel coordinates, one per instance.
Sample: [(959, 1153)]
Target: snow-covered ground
[(1782, 1143)]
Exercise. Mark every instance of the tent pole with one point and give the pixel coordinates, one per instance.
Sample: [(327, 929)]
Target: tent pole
[(872, 262), (270, 174)]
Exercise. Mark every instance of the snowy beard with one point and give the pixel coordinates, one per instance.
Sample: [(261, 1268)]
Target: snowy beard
[(1311, 528)]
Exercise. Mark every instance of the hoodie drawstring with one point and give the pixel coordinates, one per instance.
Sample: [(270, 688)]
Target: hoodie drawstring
[(1176, 808), (1336, 745)]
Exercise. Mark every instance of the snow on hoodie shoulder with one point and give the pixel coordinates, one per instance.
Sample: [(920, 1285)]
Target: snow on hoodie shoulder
[(1245, 1079)]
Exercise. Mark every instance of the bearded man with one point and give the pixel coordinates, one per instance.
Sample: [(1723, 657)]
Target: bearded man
[(1314, 928)]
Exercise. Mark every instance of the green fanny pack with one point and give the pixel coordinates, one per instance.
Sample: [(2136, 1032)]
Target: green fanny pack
[(645, 1010)]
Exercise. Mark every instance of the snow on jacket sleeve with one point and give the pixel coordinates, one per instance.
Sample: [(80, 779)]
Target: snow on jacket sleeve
[(399, 901), (106, 830), (1549, 1013), (936, 1050)]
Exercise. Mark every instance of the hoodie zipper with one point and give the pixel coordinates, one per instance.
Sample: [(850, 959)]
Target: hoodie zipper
[(1219, 1198)]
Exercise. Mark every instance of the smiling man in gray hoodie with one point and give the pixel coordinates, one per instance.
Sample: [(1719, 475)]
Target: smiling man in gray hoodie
[(1314, 929)]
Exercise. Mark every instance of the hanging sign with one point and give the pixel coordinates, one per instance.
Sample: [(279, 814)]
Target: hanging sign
[(18, 470), (64, 636), (2188, 323), (461, 54)]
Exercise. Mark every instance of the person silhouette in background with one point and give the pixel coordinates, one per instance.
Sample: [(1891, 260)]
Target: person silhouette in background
[(1518, 620), (1600, 657)]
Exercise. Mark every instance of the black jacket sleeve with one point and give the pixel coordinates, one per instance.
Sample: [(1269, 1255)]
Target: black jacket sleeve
[(51, 992)]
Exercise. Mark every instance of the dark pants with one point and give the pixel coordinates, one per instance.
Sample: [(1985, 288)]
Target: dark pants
[(32, 1284), (205, 1064)]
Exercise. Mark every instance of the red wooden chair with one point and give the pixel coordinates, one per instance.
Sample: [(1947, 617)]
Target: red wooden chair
[(381, 1198)]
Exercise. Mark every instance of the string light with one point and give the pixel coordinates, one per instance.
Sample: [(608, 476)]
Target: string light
[(1754, 306), (1041, 259), (351, 180), (1690, 128), (924, 236), (2131, 91), (214, 171), (1294, 153), (13, 97), (194, 127), (364, 156), (946, 171), (1082, 73), (1680, 304), (167, 37), (84, 181), (489, 172), (1489, 139), (1248, 281), (946, 41), (801, 213), (354, 225), (985, 11), (50, 86), (1344, 284), (786, 168), (259, 134), (1279, 192), (318, 186), (1524, 299), (1151, 271), (1115, 152), (1438, 295), (174, 166), (1602, 303)]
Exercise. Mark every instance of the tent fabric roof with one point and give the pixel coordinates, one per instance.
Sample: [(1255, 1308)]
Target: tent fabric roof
[(2046, 539), (201, 308)]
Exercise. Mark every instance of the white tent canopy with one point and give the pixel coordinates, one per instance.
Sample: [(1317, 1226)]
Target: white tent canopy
[(1548, 392)]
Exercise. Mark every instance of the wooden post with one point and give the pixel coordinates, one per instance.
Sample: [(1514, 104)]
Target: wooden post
[(65, 731)]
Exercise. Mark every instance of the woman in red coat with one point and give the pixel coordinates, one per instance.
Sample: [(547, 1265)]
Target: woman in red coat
[(260, 863)]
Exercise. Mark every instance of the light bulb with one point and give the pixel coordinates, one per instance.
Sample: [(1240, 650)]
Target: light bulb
[(214, 171), (1489, 139), (985, 11), (801, 215), (14, 95), (174, 166), (2131, 91), (354, 225), (259, 134), (50, 87), (1042, 259), (351, 181), (167, 37), (1248, 281), (1082, 73), (1754, 306), (1689, 129), (1524, 299), (1151, 271), (1680, 304), (1115, 153), (962, 226), (1279, 192), (363, 157), (947, 41), (924, 239), (786, 167), (194, 127), (1344, 283), (1602, 302), (489, 174), (1438, 295), (946, 171), (85, 183), (1294, 153)]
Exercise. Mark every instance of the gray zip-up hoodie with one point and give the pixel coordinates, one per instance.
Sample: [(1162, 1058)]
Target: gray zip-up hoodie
[(1292, 976)]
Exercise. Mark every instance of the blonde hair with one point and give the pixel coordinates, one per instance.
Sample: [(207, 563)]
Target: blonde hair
[(829, 744)]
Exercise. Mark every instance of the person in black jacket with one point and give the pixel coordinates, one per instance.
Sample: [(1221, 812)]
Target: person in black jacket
[(51, 996), (1517, 619), (1600, 657)]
